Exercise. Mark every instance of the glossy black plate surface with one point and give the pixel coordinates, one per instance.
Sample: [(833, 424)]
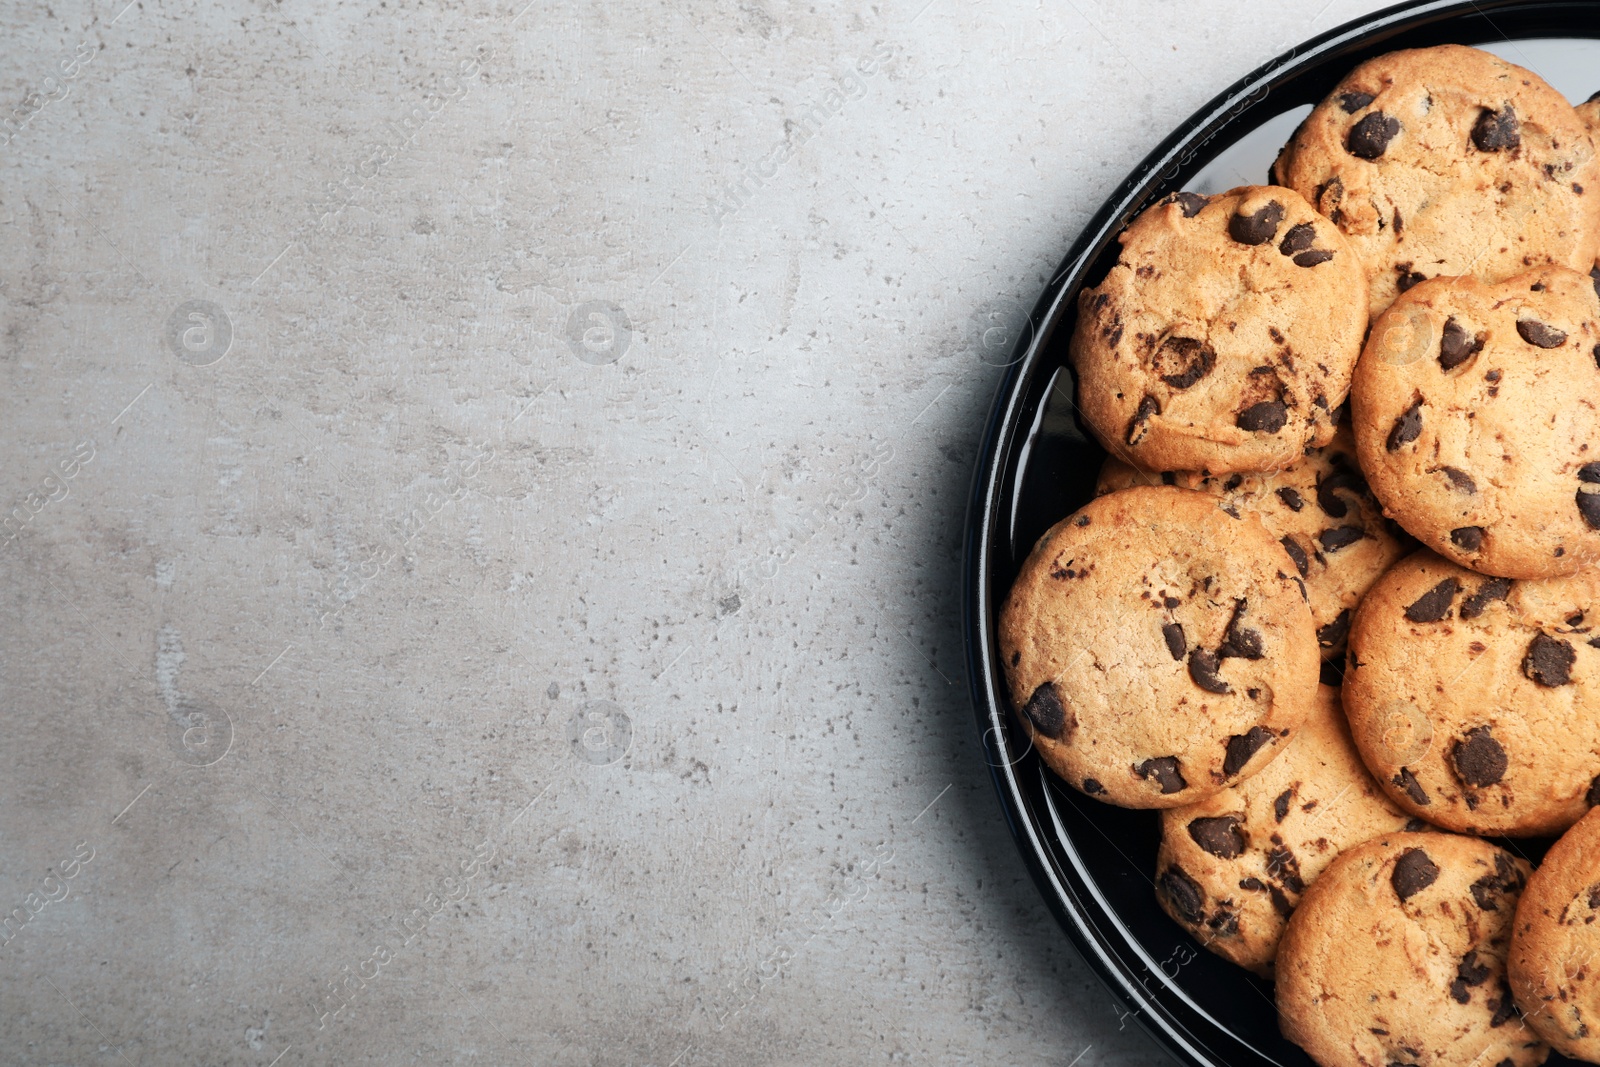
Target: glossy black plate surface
[(1093, 862)]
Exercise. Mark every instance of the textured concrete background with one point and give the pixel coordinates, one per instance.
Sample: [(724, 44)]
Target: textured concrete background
[(485, 486)]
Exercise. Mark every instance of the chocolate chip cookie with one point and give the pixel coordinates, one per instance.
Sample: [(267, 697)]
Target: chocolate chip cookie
[(1449, 161), (1556, 944), (1477, 418), (1157, 647), (1224, 337), (1322, 513), (1397, 955), (1232, 867), (1474, 700)]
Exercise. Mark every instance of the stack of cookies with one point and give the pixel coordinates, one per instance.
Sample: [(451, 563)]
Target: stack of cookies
[(1335, 610)]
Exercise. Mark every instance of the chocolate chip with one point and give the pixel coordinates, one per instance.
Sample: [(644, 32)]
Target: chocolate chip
[(1334, 634), (1093, 787), (1224, 923), (1435, 603), (1589, 472), (1409, 279), (1164, 769), (1293, 501), (1282, 865), (1173, 633), (1478, 758), (1170, 602), (1589, 508), (1268, 416), (1495, 130), (1407, 428), (1457, 346), (1549, 661), (1343, 475), (1191, 360), (1203, 669), (1081, 520), (1329, 501), (1297, 243), (1298, 239), (1504, 1007), (1340, 537), (1353, 102), (1493, 589), (1044, 710), (1239, 641), (1413, 872), (1242, 746), (1471, 972), (1414, 826), (1233, 482), (1139, 425), (1183, 893), (1280, 902), (1191, 203), (1540, 335), (1491, 888), (1296, 553), (1467, 538), (1413, 788), (1253, 884), (1460, 479), (1594, 272), (1371, 136), (1258, 228), (1280, 806), (1220, 836)]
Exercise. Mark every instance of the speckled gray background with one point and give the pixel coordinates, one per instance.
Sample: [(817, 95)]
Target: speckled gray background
[(483, 490)]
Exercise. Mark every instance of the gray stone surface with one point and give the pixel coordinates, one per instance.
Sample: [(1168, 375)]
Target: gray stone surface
[(436, 484)]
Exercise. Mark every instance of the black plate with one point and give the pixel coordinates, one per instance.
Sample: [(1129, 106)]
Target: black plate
[(1093, 862)]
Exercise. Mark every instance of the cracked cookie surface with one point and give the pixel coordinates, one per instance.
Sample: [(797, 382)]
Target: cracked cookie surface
[(1556, 944), (1225, 335), (1232, 867), (1449, 161), (1475, 701), (1158, 648), (1323, 514), (1397, 955), (1476, 410)]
